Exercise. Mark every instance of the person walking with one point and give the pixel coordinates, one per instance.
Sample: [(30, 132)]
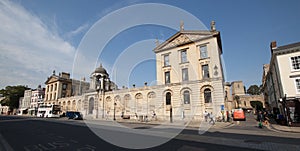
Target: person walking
[(206, 115), (260, 119), (211, 117)]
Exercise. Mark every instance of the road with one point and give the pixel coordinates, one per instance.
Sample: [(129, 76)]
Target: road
[(34, 134)]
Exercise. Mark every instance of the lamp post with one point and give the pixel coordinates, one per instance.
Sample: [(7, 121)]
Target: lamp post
[(98, 88), (115, 110)]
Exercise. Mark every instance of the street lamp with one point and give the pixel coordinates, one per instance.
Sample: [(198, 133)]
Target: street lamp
[(115, 110), (98, 88)]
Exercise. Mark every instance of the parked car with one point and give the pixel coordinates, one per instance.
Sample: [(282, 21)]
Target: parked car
[(74, 115)]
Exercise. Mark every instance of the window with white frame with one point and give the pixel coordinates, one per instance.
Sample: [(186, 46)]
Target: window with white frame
[(166, 60), (295, 62), (203, 52), (183, 56), (298, 85)]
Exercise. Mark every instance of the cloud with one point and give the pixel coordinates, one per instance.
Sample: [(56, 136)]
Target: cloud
[(29, 51), (80, 29)]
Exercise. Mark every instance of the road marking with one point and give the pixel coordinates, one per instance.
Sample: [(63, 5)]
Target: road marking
[(4, 144), (16, 120)]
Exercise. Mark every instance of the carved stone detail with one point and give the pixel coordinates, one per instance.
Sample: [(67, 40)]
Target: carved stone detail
[(182, 39)]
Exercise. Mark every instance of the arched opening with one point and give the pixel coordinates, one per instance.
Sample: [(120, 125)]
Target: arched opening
[(91, 106), (68, 105), (168, 98), (74, 105), (64, 105), (186, 97), (152, 101), (139, 103), (168, 104), (79, 105), (207, 95)]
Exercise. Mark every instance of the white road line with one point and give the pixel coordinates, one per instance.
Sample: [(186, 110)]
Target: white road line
[(4, 145)]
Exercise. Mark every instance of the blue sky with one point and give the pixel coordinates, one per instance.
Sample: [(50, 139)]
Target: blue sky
[(37, 37)]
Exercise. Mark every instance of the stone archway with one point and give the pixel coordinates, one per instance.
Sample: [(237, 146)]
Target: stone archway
[(91, 105)]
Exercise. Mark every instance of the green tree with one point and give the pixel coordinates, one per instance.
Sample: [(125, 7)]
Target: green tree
[(237, 99), (12, 95), (254, 90), (257, 105)]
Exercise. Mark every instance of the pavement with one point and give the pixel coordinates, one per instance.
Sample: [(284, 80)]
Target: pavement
[(188, 125), (282, 128), (220, 125)]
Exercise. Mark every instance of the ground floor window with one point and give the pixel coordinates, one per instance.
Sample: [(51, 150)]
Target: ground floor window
[(186, 97), (207, 95)]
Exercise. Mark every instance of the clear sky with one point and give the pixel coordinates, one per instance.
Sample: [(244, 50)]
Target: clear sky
[(37, 37)]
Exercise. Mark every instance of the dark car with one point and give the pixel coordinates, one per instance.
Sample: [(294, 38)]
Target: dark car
[(74, 115)]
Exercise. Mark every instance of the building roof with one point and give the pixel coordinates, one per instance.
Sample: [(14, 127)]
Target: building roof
[(293, 45), (100, 69), (286, 48), (187, 36)]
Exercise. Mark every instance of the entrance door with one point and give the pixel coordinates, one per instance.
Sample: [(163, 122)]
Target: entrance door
[(168, 103)]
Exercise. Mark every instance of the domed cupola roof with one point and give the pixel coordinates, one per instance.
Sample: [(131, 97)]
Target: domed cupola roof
[(101, 70)]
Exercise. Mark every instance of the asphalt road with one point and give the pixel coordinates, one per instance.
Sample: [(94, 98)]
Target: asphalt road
[(33, 134)]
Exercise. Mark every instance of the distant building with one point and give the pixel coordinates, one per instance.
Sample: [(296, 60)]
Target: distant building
[(37, 98), (191, 81), (25, 104), (281, 81), (3, 109), (62, 86), (237, 90)]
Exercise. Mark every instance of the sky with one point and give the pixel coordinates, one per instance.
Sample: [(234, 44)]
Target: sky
[(37, 37)]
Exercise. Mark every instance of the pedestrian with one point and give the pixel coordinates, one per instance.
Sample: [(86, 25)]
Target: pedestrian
[(211, 117), (228, 116), (107, 114), (136, 116), (260, 117), (266, 119), (206, 116)]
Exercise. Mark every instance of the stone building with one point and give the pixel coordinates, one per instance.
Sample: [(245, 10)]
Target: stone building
[(235, 96), (37, 98), (3, 109), (25, 104), (191, 81), (62, 86)]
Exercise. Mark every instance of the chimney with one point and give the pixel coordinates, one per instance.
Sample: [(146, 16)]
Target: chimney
[(273, 45)]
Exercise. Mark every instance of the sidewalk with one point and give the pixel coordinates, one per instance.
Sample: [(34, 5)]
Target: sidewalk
[(274, 126), (189, 125)]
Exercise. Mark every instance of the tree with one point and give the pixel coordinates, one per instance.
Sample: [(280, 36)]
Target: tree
[(253, 90), (12, 95), (257, 105), (237, 99)]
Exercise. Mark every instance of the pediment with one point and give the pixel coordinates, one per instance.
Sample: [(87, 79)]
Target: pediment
[(180, 39), (51, 79)]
